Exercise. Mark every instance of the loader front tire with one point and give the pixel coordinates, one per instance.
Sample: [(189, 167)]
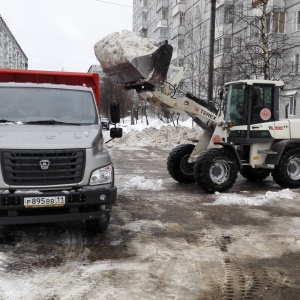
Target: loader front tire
[(254, 175), (287, 173), (178, 166), (215, 170)]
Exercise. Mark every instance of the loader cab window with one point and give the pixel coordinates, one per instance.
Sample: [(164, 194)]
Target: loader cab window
[(236, 105), (262, 104)]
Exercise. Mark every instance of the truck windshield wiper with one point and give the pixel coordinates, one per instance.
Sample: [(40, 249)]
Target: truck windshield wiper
[(49, 122)]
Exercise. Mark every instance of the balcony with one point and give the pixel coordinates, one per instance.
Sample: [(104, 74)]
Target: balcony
[(143, 26), (161, 34), (179, 7), (162, 23), (161, 4), (179, 30), (221, 2)]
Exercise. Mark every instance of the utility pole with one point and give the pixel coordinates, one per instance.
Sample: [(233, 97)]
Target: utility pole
[(211, 51)]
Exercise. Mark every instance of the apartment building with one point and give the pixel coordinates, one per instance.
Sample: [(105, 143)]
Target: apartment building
[(11, 54), (240, 26)]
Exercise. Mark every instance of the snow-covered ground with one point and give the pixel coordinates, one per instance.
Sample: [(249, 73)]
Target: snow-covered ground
[(159, 134), (166, 240)]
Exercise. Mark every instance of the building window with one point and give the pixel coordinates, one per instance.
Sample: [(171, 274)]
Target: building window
[(219, 17), (182, 19), (293, 106), (181, 44), (218, 46), (164, 14), (223, 45), (144, 17), (163, 32), (227, 45), (296, 22), (175, 2), (295, 64), (240, 11), (278, 22), (228, 16)]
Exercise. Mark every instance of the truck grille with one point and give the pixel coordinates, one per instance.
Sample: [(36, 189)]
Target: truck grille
[(24, 167)]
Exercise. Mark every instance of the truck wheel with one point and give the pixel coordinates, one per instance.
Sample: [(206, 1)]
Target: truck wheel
[(287, 173), (215, 170), (98, 225), (178, 166), (255, 175)]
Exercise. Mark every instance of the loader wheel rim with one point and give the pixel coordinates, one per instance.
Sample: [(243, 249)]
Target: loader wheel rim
[(186, 167), (293, 168), (219, 172)]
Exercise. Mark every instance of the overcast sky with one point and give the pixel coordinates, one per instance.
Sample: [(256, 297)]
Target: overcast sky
[(60, 34)]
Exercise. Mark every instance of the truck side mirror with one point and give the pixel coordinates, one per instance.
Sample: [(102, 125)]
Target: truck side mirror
[(116, 132), (115, 112), (221, 92)]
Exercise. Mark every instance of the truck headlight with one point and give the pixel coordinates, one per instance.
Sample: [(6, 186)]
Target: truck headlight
[(102, 175)]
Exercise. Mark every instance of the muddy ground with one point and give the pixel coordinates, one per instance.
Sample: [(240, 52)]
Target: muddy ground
[(169, 242)]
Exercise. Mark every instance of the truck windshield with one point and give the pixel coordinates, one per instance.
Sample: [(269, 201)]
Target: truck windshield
[(28, 104), (236, 105)]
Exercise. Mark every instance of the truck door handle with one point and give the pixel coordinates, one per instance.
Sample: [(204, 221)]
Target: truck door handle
[(255, 127)]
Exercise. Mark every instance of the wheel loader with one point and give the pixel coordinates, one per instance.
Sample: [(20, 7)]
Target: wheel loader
[(243, 135)]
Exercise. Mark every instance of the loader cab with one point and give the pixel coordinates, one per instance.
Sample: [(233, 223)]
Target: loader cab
[(248, 105), (251, 102)]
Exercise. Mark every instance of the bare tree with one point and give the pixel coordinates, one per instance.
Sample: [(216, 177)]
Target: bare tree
[(109, 93), (196, 56), (260, 45)]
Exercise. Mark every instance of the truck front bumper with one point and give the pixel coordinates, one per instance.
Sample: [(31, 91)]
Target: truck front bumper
[(82, 204)]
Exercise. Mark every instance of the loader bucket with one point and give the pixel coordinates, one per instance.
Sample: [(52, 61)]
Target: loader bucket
[(152, 68)]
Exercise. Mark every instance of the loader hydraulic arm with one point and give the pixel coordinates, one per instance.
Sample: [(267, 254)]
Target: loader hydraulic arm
[(162, 97)]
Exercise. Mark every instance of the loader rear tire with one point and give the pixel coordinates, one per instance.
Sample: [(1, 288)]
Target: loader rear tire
[(287, 173), (215, 170), (254, 175), (178, 166)]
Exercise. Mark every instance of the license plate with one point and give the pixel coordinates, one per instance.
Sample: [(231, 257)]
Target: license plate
[(44, 201)]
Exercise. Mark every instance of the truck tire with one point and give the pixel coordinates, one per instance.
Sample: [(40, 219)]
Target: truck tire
[(215, 170), (178, 166), (254, 175), (287, 173), (98, 225)]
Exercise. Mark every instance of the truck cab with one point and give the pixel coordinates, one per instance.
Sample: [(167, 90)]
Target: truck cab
[(54, 167)]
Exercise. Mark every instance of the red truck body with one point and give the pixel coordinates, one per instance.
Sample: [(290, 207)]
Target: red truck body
[(69, 78)]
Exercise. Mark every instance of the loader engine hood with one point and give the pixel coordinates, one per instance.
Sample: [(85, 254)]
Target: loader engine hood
[(20, 136)]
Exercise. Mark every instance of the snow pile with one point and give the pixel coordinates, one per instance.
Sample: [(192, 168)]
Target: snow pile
[(163, 137), (285, 194), (142, 183), (238, 199), (119, 48), (157, 134)]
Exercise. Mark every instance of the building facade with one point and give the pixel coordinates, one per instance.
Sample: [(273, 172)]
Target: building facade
[(253, 39), (11, 54)]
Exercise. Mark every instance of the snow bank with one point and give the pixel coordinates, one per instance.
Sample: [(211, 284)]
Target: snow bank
[(258, 200), (119, 48), (157, 134), (142, 183)]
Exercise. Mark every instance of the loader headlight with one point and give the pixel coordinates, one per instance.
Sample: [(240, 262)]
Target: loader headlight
[(102, 175)]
